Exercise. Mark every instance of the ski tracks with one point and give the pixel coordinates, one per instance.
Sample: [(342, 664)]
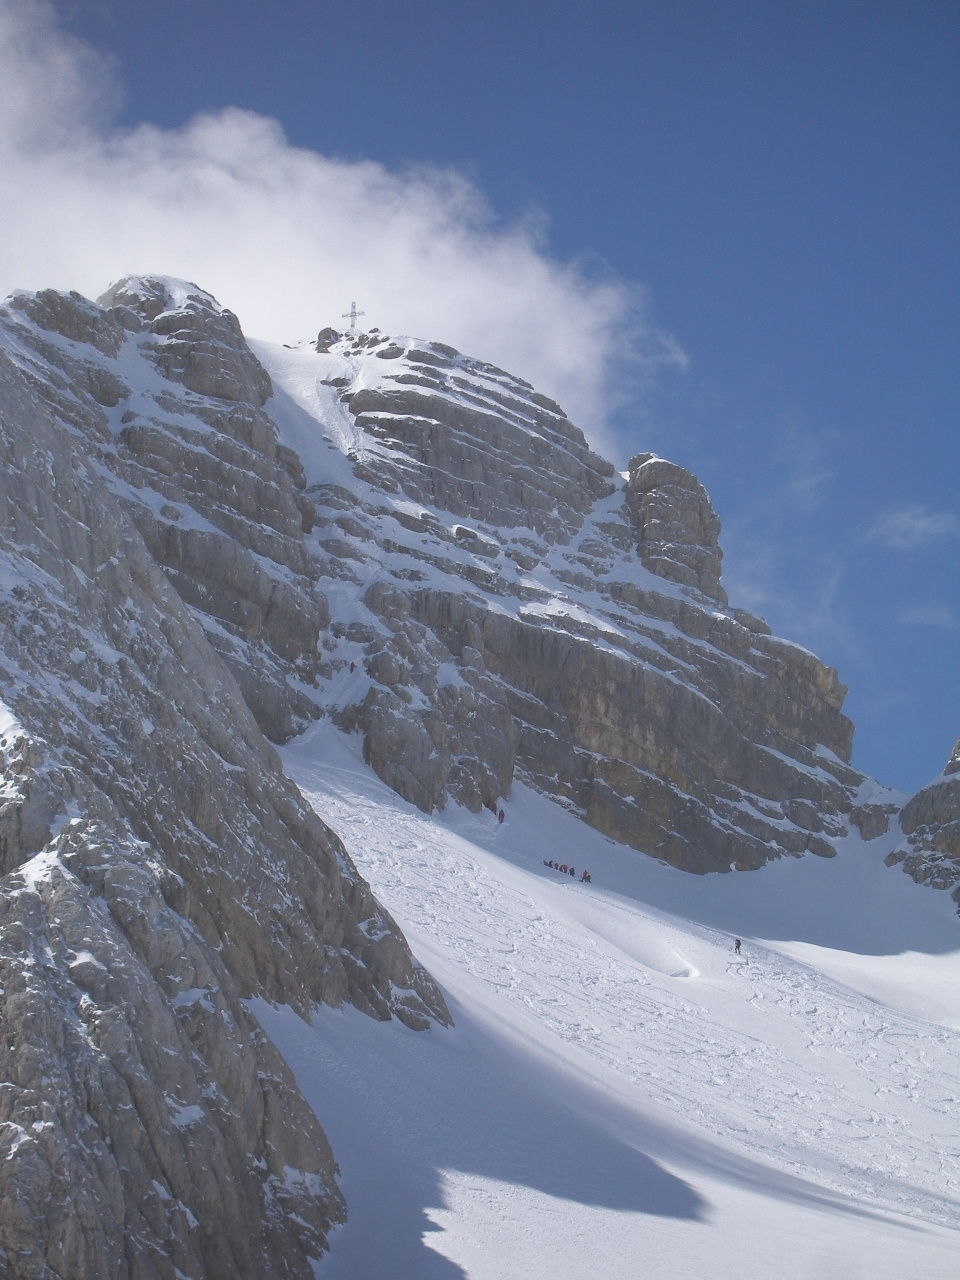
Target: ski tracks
[(762, 1051)]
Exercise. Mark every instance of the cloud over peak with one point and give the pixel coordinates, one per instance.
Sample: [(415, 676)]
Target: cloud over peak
[(286, 237)]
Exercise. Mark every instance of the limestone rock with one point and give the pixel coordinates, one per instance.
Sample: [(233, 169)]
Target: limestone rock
[(200, 343), (216, 496), (158, 867), (147, 1126), (677, 528), (484, 445), (509, 612), (930, 849), (872, 820)]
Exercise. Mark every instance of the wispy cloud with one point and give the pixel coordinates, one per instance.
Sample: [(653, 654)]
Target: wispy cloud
[(287, 237), (912, 525), (800, 464), (805, 602), (771, 566), (931, 616)]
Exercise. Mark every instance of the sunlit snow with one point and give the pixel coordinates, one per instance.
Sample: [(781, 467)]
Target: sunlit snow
[(623, 1096)]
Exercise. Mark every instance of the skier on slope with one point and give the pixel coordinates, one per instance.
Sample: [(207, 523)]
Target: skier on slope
[(736, 946)]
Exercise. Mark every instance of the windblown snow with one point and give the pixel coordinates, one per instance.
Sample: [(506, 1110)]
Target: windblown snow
[(622, 1095)]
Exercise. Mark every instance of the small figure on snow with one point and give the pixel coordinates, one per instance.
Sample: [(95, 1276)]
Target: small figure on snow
[(585, 877), (573, 871), (736, 946), (353, 667), (500, 816)]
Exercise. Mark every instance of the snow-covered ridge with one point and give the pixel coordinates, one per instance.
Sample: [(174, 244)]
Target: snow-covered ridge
[(395, 505)]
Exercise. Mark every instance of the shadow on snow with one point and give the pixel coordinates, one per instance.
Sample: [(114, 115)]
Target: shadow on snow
[(401, 1109)]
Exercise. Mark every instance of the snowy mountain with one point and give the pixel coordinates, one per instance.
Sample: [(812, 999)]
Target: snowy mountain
[(622, 1094), (208, 546), (514, 608)]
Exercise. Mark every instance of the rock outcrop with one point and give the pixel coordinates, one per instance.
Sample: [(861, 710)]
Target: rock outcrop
[(467, 437), (930, 822), (510, 609), (215, 495), (158, 867), (148, 1127), (678, 532)]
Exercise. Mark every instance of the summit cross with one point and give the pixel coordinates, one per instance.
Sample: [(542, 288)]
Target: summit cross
[(351, 315)]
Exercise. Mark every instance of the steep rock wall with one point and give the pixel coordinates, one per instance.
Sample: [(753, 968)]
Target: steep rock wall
[(517, 609), (930, 822), (678, 532), (157, 868), (216, 496)]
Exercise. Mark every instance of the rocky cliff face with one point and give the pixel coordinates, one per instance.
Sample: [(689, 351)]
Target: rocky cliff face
[(503, 604), (158, 866), (929, 851), (205, 544)]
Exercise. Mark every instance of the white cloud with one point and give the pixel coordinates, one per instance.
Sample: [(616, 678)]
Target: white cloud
[(286, 237), (912, 526)]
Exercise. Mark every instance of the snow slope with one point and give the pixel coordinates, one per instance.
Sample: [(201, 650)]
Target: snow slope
[(621, 1095)]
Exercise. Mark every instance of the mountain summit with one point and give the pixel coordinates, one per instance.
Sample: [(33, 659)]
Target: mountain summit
[(208, 544)]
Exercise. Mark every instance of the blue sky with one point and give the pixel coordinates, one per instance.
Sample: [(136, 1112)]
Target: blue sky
[(772, 188)]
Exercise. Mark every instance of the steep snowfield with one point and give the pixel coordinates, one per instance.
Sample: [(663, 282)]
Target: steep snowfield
[(622, 1096)]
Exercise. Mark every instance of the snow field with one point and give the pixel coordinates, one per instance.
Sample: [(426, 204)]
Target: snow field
[(621, 1095)]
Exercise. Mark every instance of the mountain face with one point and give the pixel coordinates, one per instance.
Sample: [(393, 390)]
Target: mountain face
[(158, 866), (207, 544), (930, 822), (513, 607)]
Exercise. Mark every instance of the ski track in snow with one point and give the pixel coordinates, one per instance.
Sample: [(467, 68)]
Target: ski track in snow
[(760, 1061)]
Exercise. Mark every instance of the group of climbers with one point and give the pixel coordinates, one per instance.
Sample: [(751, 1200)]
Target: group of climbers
[(566, 870), (563, 867)]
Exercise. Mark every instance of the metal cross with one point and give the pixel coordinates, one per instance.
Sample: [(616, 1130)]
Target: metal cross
[(351, 315)]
